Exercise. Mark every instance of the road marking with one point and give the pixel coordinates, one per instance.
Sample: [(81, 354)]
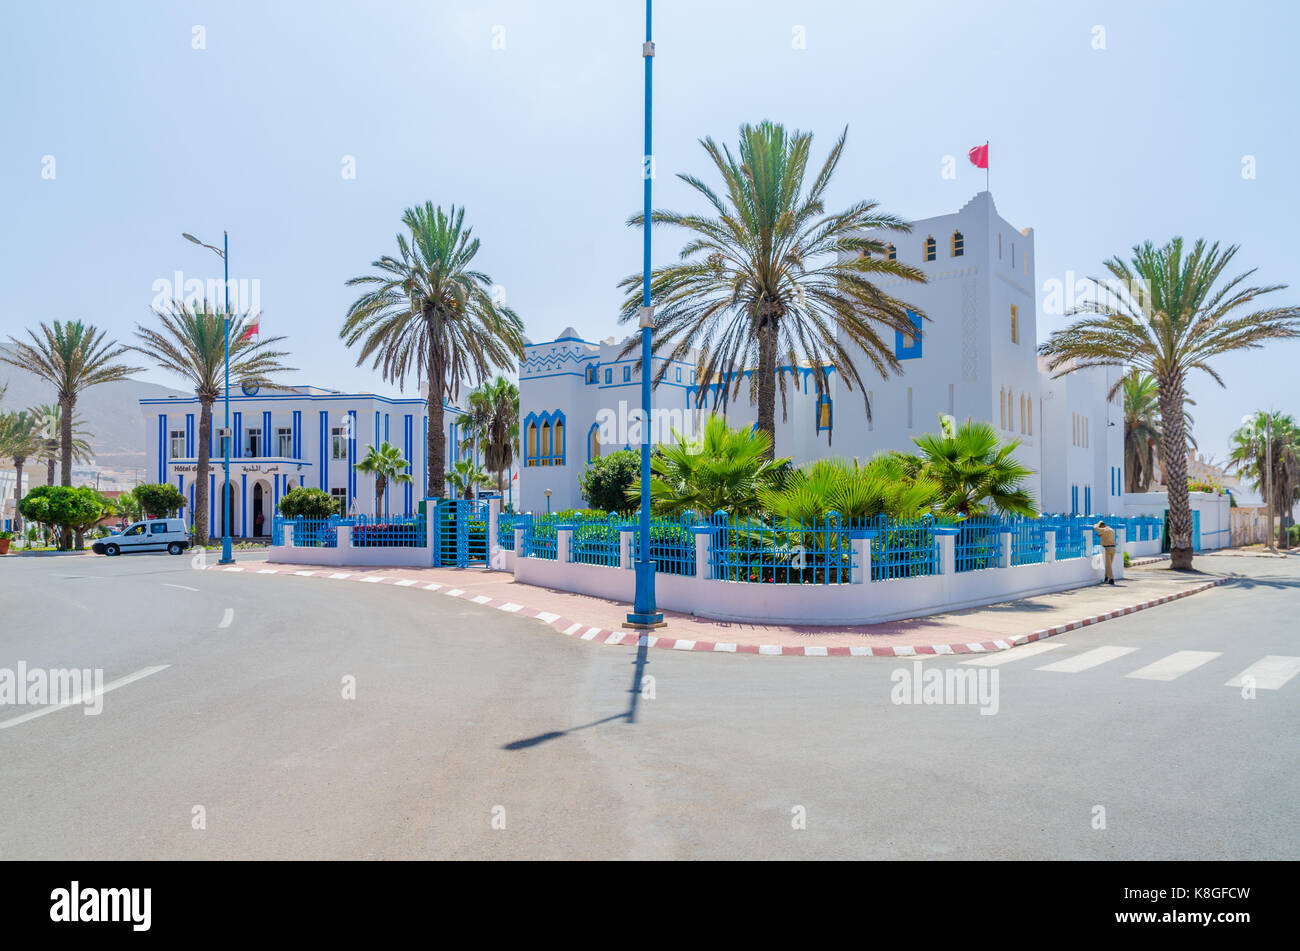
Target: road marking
[(481, 599), (84, 696), (404, 583), (454, 592), (1019, 653), (226, 618), (267, 571), (510, 606), (1088, 659), (1175, 665), (184, 586), (340, 574), (546, 617), (372, 580), (1269, 672)]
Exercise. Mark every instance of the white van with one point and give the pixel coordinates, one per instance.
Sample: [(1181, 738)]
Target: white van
[(159, 534)]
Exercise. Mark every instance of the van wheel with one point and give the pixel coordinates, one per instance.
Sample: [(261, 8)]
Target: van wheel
[(175, 548), (112, 550)]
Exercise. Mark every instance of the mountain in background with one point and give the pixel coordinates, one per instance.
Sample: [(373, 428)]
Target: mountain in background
[(110, 413)]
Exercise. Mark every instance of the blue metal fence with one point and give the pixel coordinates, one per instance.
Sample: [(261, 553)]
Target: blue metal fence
[(307, 532), (597, 541), (672, 544), (904, 549), (1028, 542), (391, 532), (789, 551), (979, 543)]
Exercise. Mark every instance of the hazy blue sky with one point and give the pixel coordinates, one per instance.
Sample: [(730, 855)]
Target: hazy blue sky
[(1094, 148)]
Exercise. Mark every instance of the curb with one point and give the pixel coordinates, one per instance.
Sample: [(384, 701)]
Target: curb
[(571, 628)]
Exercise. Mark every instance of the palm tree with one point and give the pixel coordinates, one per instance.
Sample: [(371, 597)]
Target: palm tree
[(491, 425), (1279, 470), (19, 441), (854, 491), (71, 357), (429, 313), (465, 475), (192, 344), (975, 470), (723, 469), (49, 429), (772, 279), (1143, 437), (387, 464), (1173, 313)]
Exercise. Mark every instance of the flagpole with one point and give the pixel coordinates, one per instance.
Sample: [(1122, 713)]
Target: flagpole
[(986, 166)]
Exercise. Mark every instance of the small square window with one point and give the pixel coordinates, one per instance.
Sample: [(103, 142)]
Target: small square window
[(627, 373), (609, 376)]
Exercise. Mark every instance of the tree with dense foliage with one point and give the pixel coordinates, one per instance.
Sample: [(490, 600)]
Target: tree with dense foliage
[(1275, 475), (49, 419), (723, 469), (127, 506), (853, 490), (1167, 312), (976, 471), (429, 313), (308, 503), (491, 425), (191, 343), (387, 465), (611, 482), (71, 357), (67, 510), (769, 278), (159, 499)]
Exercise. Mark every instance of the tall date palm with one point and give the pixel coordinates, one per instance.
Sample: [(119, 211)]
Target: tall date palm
[(428, 312), (192, 344), (491, 424), (768, 277), (1168, 311)]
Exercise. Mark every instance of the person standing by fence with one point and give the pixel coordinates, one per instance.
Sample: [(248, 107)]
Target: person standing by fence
[(1106, 536)]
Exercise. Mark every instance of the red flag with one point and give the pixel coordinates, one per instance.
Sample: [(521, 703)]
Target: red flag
[(251, 329), (979, 156)]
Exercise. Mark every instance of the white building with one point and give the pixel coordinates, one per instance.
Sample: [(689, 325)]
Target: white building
[(976, 357), (290, 437)]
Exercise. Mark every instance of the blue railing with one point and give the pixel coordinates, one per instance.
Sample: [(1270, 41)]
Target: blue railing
[(904, 548), (781, 551), (979, 543), (1028, 542), (391, 532), (307, 532), (596, 541)]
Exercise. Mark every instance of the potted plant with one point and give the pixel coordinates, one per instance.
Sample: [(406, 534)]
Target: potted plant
[(5, 538)]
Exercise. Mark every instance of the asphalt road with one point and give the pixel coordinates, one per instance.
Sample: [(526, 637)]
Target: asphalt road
[(477, 734)]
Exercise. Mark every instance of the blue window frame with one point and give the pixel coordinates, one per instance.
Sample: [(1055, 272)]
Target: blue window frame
[(908, 346), (609, 375), (591, 374), (825, 413), (627, 373), (679, 374), (1087, 500)]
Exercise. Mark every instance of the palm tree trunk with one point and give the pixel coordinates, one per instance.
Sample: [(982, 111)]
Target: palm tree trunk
[(381, 483), (65, 438), (1173, 458), (437, 443), (200, 514), (18, 491), (767, 382), (49, 471)]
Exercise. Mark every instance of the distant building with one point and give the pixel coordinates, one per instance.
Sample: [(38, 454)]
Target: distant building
[(288, 437)]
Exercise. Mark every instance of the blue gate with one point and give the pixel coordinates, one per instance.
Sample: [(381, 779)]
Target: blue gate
[(460, 533)]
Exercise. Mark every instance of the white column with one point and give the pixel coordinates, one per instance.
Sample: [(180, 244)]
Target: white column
[(1120, 534), (494, 509), (947, 554), (287, 532), (1049, 546), (519, 541), (861, 558), (345, 544), (563, 542), (703, 542), (625, 555), (1004, 540)]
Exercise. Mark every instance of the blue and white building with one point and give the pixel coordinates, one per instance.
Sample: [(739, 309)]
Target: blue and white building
[(291, 437), (976, 356)]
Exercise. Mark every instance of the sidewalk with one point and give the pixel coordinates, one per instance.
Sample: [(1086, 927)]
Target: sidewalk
[(993, 627)]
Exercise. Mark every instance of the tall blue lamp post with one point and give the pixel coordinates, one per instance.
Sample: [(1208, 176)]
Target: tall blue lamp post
[(227, 517), (644, 613)]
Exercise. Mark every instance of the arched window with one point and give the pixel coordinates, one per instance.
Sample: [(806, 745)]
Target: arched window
[(545, 454), (557, 454), (591, 374), (1015, 324), (593, 443), (530, 446), (891, 252), (931, 248), (958, 244)]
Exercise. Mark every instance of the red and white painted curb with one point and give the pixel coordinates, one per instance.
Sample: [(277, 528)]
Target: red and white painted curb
[(628, 638)]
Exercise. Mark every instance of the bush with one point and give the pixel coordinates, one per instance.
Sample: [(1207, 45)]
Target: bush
[(62, 507), (308, 503), (606, 481), (158, 499)]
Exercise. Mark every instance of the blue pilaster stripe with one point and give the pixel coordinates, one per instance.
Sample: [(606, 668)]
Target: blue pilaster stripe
[(408, 434), (352, 458), (189, 435), (324, 440), (190, 510), (162, 447), (424, 454), (212, 505), (180, 487), (266, 435), (243, 505), (297, 434), (237, 434)]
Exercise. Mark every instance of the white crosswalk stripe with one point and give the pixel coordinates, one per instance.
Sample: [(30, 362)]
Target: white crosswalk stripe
[(1087, 660), (1016, 653), (1175, 665), (1268, 673)]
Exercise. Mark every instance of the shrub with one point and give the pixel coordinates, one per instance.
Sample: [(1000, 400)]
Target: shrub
[(308, 503), (606, 482), (158, 499)]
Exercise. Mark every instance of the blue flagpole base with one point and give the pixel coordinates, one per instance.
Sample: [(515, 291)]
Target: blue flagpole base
[(645, 621), (643, 615)]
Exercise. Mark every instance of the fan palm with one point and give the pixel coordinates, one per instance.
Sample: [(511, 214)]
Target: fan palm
[(491, 425), (49, 427), (854, 491), (192, 344), (19, 440), (428, 312), (1278, 470), (71, 357), (387, 465), (723, 469), (1173, 313), (771, 278), (975, 470)]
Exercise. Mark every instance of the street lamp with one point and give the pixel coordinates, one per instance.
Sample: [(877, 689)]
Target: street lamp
[(227, 517), (644, 614), (547, 493)]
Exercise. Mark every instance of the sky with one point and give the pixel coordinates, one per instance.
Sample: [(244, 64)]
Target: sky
[(130, 123)]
